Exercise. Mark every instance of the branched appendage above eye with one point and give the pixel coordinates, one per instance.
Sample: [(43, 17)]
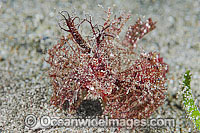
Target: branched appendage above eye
[(98, 34), (74, 32)]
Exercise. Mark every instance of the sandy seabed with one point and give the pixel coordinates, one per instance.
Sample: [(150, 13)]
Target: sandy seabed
[(29, 28)]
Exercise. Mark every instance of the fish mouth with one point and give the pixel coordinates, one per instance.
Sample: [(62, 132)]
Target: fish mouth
[(90, 108)]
